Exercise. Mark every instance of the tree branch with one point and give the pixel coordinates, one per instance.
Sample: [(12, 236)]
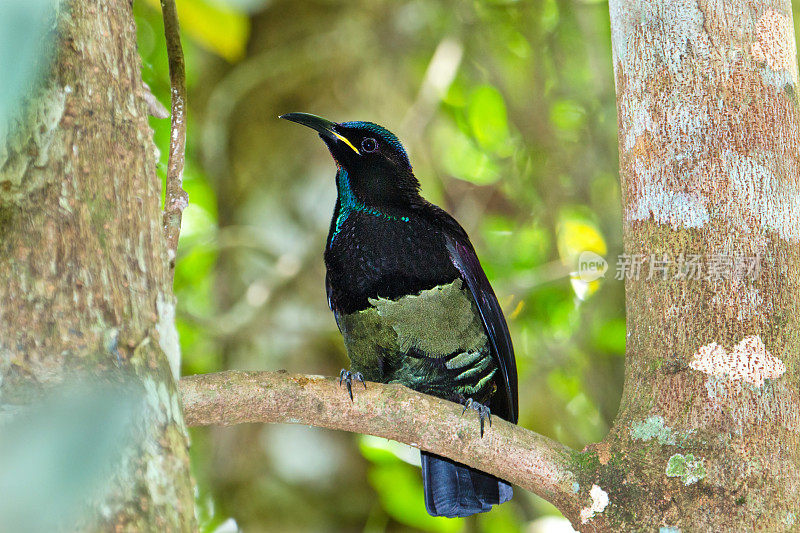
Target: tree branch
[(511, 452), (176, 198)]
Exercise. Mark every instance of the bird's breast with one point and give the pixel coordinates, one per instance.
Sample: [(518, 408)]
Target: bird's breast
[(371, 256)]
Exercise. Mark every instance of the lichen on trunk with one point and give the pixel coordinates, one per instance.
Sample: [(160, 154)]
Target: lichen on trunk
[(707, 433)]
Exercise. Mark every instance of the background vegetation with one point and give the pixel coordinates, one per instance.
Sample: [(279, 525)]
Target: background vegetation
[(508, 111)]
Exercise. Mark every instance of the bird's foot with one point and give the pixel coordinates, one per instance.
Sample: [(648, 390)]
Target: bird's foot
[(347, 377), (483, 411)]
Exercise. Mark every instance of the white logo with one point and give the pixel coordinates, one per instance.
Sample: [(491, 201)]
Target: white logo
[(591, 266)]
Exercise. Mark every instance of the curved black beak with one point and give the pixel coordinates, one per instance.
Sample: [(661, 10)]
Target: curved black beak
[(325, 127)]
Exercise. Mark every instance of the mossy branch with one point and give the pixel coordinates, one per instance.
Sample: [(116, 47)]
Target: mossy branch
[(511, 452)]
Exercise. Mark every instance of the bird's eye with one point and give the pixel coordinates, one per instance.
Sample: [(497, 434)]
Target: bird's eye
[(369, 144)]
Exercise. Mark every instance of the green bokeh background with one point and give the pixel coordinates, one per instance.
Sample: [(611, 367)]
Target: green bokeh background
[(507, 109)]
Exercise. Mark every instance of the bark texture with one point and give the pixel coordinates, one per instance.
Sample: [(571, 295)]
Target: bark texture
[(707, 434), (84, 281)]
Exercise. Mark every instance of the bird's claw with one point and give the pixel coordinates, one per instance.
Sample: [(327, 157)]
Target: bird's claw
[(347, 377), (483, 411)]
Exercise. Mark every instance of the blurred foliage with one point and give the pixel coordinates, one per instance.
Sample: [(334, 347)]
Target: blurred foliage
[(217, 27), (57, 454), (25, 28), (507, 109)]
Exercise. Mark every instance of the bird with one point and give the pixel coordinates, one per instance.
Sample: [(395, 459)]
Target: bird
[(412, 301)]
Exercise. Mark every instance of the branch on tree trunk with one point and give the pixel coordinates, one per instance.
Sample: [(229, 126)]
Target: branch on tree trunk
[(511, 452), (176, 199)]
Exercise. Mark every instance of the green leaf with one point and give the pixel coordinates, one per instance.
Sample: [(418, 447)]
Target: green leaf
[(567, 115), (550, 15), (399, 487), (462, 158), (610, 336), (488, 119)]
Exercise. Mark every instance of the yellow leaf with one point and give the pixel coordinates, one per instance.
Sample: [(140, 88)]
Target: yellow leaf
[(578, 235), (222, 30), (517, 310)]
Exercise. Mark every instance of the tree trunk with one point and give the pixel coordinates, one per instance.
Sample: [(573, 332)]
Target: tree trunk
[(83, 275), (706, 438)]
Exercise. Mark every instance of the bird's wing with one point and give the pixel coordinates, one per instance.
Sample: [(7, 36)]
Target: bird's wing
[(328, 292), (466, 261)]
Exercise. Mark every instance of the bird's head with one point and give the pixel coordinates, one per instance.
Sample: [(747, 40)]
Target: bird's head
[(376, 163)]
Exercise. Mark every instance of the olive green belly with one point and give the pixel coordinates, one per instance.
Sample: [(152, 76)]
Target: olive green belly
[(433, 342)]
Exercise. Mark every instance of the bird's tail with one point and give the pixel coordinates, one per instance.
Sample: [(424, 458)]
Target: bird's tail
[(456, 490)]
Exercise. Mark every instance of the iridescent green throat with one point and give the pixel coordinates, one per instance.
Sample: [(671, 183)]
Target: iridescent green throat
[(348, 203)]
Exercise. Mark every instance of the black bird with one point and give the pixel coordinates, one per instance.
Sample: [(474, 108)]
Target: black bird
[(412, 301)]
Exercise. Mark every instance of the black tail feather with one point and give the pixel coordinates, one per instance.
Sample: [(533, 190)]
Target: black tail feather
[(456, 490)]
